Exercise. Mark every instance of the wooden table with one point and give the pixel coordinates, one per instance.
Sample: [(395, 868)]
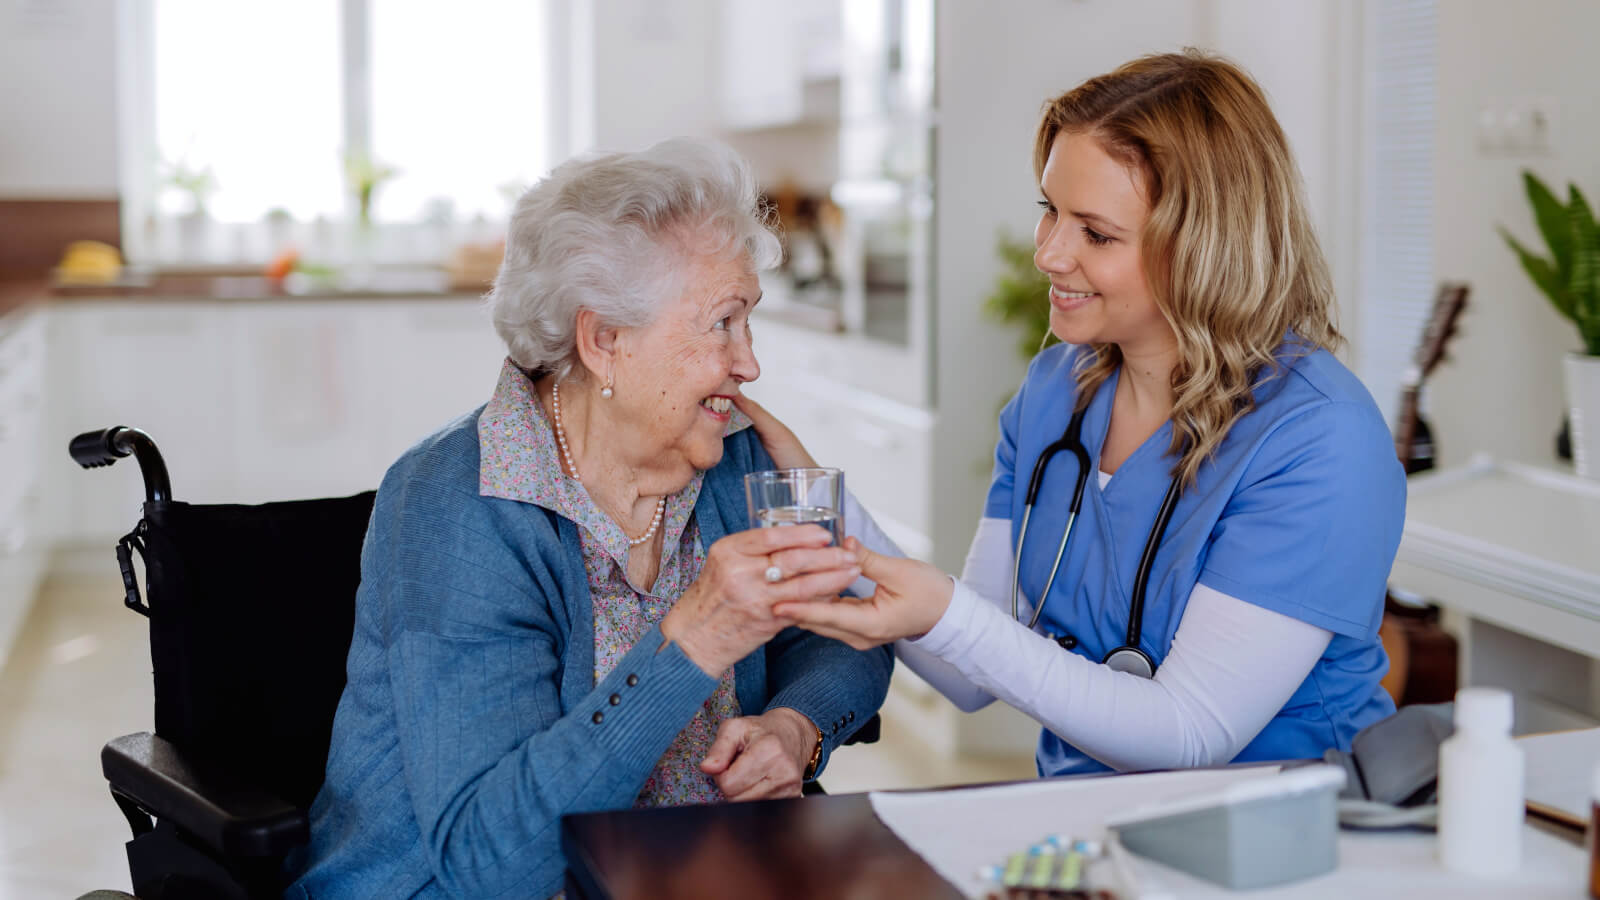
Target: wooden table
[(834, 847)]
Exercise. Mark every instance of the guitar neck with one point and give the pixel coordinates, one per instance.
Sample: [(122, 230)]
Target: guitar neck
[(1406, 431)]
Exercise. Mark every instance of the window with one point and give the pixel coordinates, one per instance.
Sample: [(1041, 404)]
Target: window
[(458, 103), (255, 111), (233, 99)]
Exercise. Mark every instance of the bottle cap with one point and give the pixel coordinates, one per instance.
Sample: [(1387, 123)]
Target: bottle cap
[(1483, 710)]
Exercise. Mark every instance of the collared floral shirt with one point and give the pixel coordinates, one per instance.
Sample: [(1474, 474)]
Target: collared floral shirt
[(520, 460)]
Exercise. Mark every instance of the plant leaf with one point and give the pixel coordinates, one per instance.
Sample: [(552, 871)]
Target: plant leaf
[(1585, 278), (1551, 216), (1019, 294), (1544, 276)]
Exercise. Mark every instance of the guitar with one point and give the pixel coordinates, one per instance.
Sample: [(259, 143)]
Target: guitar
[(1422, 655), (1413, 440)]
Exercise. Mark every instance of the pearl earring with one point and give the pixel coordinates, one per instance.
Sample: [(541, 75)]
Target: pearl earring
[(605, 390)]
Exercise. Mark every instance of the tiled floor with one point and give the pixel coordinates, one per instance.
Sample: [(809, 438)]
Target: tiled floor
[(79, 674)]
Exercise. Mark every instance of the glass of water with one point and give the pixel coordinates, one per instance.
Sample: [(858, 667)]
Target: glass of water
[(795, 497)]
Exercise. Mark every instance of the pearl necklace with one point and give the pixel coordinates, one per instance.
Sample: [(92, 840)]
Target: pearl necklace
[(561, 439)]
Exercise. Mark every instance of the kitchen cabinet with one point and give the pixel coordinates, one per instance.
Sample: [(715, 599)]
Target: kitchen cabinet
[(161, 367), (330, 396), (255, 401), (841, 396), (779, 62), (22, 547)]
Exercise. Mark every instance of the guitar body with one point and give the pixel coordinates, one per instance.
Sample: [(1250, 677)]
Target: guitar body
[(1422, 655)]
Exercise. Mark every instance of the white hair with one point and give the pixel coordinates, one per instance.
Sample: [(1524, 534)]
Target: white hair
[(612, 233)]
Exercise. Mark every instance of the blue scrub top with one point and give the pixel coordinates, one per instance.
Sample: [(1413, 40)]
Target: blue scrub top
[(1299, 511)]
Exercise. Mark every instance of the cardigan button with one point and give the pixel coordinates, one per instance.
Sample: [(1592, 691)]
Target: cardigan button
[(851, 717), (615, 699), (633, 680), (598, 717)]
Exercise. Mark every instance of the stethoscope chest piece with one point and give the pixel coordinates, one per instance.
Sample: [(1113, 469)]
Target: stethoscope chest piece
[(1131, 660)]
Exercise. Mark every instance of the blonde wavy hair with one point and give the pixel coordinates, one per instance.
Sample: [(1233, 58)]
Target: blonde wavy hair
[(1228, 251)]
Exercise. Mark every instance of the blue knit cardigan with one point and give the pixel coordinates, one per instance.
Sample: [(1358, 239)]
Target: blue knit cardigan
[(472, 721)]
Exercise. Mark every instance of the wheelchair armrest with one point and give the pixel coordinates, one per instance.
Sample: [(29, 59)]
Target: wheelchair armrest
[(232, 818)]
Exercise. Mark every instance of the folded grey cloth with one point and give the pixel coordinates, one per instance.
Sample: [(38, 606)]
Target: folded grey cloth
[(1396, 760)]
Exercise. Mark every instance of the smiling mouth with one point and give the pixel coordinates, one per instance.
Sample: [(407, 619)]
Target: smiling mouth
[(1058, 294), (718, 406), (1066, 300)]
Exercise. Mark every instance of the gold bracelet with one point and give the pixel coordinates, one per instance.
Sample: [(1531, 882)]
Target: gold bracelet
[(816, 756)]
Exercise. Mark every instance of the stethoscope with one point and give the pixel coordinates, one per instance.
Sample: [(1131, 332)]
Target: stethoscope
[(1128, 657)]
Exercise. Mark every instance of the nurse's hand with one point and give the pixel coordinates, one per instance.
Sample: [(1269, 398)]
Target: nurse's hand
[(785, 449), (726, 613), (911, 598)]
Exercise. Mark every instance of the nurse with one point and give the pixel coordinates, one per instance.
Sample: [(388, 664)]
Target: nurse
[(1202, 574)]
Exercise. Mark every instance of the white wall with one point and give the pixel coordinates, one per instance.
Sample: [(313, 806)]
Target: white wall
[(658, 73), (654, 62), (1306, 56), (1501, 392), (58, 107)]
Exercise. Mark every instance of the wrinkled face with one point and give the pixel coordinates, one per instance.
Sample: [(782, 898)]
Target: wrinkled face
[(1087, 242), (676, 377)]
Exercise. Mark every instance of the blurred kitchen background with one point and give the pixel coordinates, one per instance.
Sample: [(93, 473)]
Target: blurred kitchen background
[(302, 201)]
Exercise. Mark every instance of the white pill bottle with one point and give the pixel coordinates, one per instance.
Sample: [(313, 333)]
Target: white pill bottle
[(1481, 802)]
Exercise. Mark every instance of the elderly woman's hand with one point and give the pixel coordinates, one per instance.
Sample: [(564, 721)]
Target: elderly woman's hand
[(727, 612), (761, 757), (785, 449)]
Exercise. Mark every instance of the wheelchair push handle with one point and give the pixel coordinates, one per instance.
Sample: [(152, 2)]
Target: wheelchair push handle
[(93, 449)]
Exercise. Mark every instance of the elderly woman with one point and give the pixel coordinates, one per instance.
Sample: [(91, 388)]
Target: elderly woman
[(560, 609)]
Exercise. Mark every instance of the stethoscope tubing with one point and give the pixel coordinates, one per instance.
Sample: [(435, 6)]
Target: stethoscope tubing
[(1141, 580), (1072, 441)]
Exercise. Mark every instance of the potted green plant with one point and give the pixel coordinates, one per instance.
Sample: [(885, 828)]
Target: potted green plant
[(364, 176), (1570, 279), (197, 183), (1021, 295)]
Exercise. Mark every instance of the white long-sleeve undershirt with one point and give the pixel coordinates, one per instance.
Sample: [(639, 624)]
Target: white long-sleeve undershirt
[(1232, 666)]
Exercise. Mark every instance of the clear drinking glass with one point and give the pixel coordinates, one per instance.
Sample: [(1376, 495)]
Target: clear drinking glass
[(795, 497)]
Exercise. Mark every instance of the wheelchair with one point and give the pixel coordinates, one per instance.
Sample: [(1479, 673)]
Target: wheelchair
[(251, 611)]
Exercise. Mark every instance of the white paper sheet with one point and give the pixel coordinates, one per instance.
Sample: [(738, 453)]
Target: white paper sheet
[(1559, 770), (958, 832)]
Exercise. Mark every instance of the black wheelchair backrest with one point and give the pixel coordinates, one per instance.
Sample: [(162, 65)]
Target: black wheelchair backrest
[(251, 611)]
